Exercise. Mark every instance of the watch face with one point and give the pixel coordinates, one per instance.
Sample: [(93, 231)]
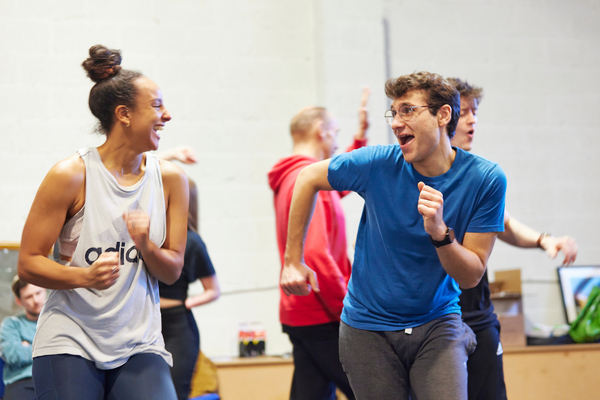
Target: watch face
[(451, 234)]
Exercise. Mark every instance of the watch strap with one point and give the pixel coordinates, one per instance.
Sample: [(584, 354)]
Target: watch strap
[(446, 240)]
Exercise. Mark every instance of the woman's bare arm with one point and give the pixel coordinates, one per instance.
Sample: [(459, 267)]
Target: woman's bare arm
[(59, 197), (165, 263)]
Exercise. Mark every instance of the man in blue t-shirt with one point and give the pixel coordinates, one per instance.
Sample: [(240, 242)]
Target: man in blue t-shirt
[(16, 337), (432, 213)]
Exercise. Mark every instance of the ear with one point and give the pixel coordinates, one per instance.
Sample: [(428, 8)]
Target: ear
[(18, 301), (122, 115), (318, 127), (444, 115)]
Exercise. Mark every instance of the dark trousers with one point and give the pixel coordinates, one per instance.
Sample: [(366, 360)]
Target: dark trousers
[(317, 367), (65, 377), (486, 374), (182, 340), (20, 390)]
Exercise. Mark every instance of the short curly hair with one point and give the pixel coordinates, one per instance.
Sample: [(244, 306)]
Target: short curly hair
[(466, 90), (438, 92)]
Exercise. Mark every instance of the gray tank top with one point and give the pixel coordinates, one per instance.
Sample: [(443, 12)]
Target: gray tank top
[(109, 326)]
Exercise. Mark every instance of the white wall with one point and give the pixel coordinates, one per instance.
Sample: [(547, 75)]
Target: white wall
[(538, 62), (233, 73)]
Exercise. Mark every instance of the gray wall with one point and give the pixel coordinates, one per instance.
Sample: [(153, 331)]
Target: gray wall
[(234, 72)]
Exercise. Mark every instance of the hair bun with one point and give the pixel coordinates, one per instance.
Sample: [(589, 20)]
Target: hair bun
[(103, 63)]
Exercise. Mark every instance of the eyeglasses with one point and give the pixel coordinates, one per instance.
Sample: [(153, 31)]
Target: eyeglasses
[(405, 113)]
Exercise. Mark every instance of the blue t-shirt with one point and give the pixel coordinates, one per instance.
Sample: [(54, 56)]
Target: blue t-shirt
[(397, 279)]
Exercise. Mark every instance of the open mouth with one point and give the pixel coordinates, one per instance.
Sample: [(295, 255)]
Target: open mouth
[(405, 138), (157, 129)]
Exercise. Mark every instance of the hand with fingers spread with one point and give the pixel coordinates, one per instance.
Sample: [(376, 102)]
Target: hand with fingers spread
[(553, 245), (431, 207), (298, 279), (138, 226), (104, 272)]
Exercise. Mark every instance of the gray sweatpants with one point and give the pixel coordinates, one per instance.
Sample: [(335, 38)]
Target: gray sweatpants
[(427, 364)]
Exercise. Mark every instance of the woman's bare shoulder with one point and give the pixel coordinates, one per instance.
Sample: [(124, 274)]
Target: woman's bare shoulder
[(172, 173), (62, 190), (69, 171)]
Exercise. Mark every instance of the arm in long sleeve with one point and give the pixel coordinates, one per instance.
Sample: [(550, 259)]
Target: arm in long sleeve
[(295, 276), (360, 138), (318, 257), (14, 351)]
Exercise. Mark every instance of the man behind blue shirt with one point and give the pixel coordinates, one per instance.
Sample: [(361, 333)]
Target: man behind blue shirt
[(430, 220), (16, 336), (485, 367)]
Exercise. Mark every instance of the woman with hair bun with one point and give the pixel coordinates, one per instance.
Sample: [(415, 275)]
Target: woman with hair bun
[(119, 215)]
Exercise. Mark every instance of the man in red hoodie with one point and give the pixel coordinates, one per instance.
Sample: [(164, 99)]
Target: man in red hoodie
[(312, 322)]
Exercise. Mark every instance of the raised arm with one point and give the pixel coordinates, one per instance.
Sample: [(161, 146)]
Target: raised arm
[(465, 263), (363, 115), (164, 263), (360, 138), (520, 235), (60, 196), (295, 273)]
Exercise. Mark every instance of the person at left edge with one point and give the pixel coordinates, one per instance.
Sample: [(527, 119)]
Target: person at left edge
[(16, 336)]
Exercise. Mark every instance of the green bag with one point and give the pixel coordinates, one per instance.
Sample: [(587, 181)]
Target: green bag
[(586, 328)]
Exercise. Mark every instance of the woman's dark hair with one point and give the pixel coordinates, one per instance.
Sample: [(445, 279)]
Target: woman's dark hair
[(114, 85), (438, 92)]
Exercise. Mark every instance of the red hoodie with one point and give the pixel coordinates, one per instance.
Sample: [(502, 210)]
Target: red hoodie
[(324, 248)]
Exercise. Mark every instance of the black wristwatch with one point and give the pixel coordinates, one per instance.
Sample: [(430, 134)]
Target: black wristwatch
[(449, 238)]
